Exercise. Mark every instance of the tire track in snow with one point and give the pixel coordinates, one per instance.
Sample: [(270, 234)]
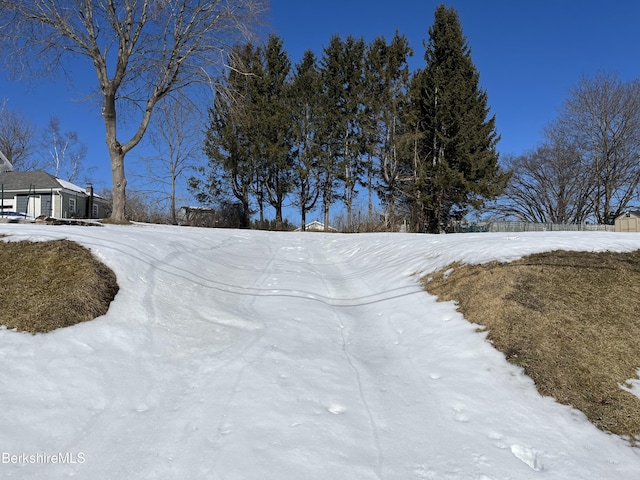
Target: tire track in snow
[(170, 266), (223, 426), (363, 399), (350, 360)]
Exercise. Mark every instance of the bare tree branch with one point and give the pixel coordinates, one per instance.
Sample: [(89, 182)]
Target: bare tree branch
[(17, 139)]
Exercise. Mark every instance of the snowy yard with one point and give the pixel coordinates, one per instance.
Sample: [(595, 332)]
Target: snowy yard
[(254, 355)]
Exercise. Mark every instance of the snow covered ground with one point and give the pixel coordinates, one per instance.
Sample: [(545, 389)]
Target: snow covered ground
[(254, 355)]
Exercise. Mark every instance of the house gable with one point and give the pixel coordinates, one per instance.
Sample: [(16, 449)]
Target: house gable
[(316, 226)]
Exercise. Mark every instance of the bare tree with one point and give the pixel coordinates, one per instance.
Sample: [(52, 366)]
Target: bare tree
[(64, 152), (17, 139), (550, 184), (140, 50), (589, 167), (601, 119), (177, 135)]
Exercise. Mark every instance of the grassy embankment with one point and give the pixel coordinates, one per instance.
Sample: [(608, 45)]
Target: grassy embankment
[(49, 285), (571, 320)]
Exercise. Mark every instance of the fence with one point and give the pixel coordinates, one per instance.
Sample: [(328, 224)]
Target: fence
[(529, 227)]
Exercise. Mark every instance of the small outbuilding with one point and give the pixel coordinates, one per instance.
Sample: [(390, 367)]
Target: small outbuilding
[(628, 222), (197, 217)]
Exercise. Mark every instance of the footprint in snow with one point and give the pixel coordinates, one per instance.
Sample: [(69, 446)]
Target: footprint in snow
[(459, 415), (225, 429), (497, 437), (336, 409)]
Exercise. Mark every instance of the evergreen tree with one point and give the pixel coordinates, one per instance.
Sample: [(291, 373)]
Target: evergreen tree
[(456, 162), (273, 124), (375, 61), (387, 79), (305, 86), (340, 126), (230, 138), (249, 138)]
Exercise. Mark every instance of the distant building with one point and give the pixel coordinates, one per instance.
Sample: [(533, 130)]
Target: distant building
[(628, 222), (316, 226), (197, 217), (40, 193)]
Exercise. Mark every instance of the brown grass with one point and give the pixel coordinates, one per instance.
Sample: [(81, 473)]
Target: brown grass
[(111, 221), (570, 319), (49, 285)]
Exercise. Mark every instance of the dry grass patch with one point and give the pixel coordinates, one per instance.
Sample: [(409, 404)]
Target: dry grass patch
[(49, 285), (111, 221), (570, 319)]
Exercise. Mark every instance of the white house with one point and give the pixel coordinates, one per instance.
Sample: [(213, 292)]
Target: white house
[(315, 226)]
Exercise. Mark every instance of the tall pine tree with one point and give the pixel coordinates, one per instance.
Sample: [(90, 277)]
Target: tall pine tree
[(274, 126), (342, 74), (387, 78), (456, 162), (304, 100), (230, 142)]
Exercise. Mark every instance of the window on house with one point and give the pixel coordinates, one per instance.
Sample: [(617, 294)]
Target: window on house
[(72, 206), (94, 211)]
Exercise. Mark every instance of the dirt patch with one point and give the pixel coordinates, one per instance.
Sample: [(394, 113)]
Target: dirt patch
[(49, 285), (570, 319)]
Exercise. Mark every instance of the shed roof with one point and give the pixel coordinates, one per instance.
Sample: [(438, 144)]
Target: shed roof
[(635, 213)]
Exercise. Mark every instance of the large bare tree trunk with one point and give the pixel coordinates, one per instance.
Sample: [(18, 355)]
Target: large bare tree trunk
[(119, 184), (116, 154)]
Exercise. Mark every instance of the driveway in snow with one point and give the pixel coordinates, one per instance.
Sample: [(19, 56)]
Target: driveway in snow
[(254, 355)]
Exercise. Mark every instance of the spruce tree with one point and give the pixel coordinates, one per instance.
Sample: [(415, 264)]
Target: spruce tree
[(342, 73), (274, 125), (304, 102), (387, 78), (230, 137), (456, 162)]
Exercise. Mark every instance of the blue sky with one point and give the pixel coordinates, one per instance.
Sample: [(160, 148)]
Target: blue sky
[(529, 54)]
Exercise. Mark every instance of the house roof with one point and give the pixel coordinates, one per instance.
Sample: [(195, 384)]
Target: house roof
[(317, 226), (22, 180)]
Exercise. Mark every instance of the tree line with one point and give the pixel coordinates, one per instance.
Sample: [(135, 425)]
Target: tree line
[(588, 166), (319, 132)]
